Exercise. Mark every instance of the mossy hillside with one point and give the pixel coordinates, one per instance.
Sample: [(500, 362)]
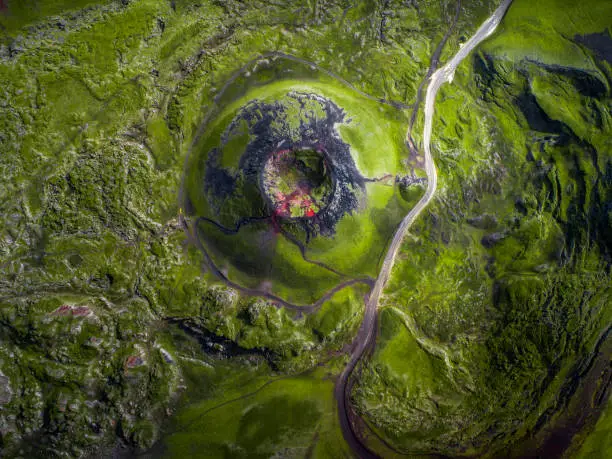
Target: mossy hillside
[(152, 73), (113, 237), (293, 343), (505, 283), (68, 101), (216, 387), (64, 339), (337, 318), (295, 415), (280, 268), (526, 27), (339, 33), (375, 131), (19, 14), (375, 134), (369, 235)]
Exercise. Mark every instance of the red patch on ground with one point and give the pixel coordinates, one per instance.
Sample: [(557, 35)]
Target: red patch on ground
[(75, 311), (298, 198), (297, 202), (134, 361), (81, 311), (63, 310), (3, 6)]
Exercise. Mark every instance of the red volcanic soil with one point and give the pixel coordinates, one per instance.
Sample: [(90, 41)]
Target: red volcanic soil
[(75, 311), (300, 197)]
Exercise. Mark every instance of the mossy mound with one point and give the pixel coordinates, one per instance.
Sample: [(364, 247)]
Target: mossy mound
[(495, 327), (285, 187)]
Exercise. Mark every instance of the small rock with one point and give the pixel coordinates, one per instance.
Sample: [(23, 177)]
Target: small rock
[(166, 356), (491, 239)]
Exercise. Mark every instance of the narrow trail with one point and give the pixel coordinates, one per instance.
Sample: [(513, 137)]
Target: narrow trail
[(288, 236), (365, 337), (304, 308)]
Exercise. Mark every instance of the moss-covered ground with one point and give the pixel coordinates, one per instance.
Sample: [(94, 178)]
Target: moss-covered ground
[(115, 338), (375, 133), (502, 292)]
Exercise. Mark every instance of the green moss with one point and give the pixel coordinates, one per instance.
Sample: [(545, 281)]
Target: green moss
[(360, 238), (294, 415), (18, 14), (161, 142), (514, 278), (598, 443), (499, 289), (532, 32)]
